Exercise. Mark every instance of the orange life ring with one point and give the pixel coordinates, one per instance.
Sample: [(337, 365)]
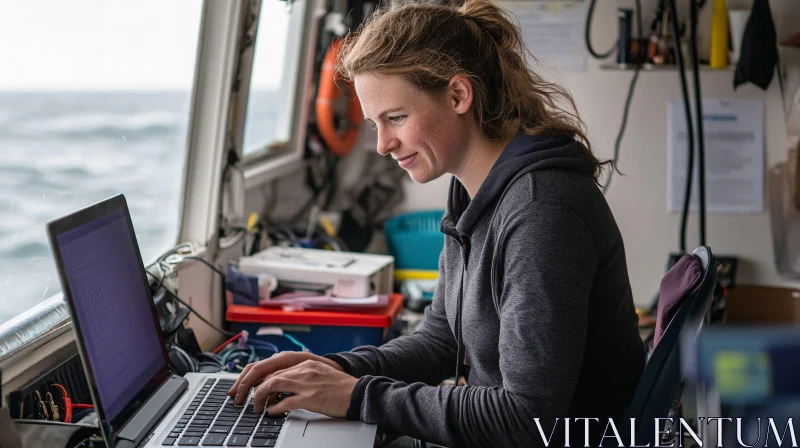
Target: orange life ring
[(339, 143)]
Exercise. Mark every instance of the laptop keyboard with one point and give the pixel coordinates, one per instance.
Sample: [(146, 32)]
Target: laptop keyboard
[(212, 420)]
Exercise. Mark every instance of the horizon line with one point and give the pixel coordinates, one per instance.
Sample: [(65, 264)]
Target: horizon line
[(113, 90)]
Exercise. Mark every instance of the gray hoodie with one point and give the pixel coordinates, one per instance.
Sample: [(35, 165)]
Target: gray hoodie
[(533, 296)]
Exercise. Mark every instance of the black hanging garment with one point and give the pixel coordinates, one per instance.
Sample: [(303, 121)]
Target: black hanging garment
[(759, 55)]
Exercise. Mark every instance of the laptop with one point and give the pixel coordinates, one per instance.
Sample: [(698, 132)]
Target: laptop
[(138, 401)]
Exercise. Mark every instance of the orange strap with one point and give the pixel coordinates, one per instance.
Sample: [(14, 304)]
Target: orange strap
[(339, 143), (67, 403)]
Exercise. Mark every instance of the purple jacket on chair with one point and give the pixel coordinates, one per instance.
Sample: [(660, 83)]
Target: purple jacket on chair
[(681, 280)]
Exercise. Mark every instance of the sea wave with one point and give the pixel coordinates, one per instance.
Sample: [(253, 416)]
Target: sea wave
[(100, 124), (27, 249), (61, 151)]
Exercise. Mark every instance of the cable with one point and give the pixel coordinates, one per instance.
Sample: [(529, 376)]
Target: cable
[(221, 331), (321, 240), (618, 141), (213, 357), (317, 190), (640, 28), (161, 282), (215, 269), (587, 31), (626, 110), (172, 251), (698, 99), (233, 336), (237, 357), (214, 362), (191, 364), (236, 354), (296, 342), (232, 355), (689, 128), (160, 285), (225, 344), (265, 345)]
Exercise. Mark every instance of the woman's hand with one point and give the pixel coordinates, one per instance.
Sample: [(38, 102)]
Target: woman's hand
[(317, 384)]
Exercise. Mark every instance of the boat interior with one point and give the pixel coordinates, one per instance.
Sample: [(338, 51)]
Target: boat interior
[(245, 161)]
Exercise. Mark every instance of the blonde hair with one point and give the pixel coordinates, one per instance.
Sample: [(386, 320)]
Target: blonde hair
[(428, 44)]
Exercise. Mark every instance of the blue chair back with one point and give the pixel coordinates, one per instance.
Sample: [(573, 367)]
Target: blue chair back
[(658, 392)]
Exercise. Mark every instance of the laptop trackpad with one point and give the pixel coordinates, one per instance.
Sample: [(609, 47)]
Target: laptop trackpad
[(314, 430)]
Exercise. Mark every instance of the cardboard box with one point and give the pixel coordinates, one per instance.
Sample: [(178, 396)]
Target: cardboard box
[(756, 304)]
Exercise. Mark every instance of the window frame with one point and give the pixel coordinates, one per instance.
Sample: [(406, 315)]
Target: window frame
[(261, 167)]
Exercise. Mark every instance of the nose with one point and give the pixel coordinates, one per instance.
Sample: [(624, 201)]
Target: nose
[(386, 142)]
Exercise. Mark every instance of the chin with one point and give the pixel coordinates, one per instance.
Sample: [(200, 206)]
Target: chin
[(421, 177)]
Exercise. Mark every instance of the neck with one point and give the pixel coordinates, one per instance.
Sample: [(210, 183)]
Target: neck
[(480, 156)]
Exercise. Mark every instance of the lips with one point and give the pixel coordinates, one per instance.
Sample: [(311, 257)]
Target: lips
[(405, 161)]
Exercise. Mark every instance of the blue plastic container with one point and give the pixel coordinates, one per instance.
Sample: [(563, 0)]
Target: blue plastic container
[(319, 339), (321, 331), (415, 239)]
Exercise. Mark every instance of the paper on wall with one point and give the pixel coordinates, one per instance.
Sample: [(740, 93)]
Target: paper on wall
[(734, 156), (552, 31)]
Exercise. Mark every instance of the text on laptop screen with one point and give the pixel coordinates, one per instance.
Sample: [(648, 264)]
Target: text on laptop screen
[(111, 303)]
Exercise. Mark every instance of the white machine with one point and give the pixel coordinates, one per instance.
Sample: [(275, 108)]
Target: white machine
[(348, 274)]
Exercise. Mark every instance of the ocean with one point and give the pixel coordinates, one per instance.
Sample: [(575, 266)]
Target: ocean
[(61, 151)]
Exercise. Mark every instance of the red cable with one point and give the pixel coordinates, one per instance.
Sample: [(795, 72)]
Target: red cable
[(225, 344), (82, 406)]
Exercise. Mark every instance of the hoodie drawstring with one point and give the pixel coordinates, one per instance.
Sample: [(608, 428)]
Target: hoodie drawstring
[(464, 243)]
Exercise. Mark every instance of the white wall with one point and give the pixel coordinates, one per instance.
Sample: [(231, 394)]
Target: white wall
[(638, 199)]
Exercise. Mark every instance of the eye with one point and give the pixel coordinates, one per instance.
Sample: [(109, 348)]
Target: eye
[(397, 119), (374, 127)]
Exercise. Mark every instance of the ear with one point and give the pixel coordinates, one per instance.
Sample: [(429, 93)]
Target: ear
[(459, 94)]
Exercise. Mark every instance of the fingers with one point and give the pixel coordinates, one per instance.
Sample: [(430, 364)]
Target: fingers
[(250, 377), (288, 404), (255, 372), (247, 382), (235, 387), (276, 384), (289, 380)]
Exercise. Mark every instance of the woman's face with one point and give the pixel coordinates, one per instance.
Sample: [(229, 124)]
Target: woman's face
[(427, 135)]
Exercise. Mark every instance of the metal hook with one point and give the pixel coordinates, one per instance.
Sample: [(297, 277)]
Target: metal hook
[(53, 406), (42, 405)]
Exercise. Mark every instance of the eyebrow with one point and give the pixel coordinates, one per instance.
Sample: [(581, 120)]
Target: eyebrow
[(382, 114)]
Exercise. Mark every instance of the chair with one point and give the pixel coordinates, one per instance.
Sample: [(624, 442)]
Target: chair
[(658, 392)]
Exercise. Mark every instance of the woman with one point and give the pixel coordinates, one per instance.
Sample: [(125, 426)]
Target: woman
[(533, 304)]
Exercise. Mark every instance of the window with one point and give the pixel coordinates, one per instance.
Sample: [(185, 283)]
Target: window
[(94, 101), (274, 79)]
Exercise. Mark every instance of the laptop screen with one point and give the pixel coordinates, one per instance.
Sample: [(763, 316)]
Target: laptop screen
[(112, 308)]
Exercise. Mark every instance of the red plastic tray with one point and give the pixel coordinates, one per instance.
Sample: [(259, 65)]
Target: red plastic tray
[(374, 317)]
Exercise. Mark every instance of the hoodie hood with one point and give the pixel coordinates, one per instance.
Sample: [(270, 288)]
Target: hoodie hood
[(522, 155)]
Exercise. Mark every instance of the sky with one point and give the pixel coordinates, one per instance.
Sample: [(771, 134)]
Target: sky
[(117, 44)]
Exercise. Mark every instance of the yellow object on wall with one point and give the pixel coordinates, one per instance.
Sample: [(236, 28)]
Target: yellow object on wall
[(719, 35)]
